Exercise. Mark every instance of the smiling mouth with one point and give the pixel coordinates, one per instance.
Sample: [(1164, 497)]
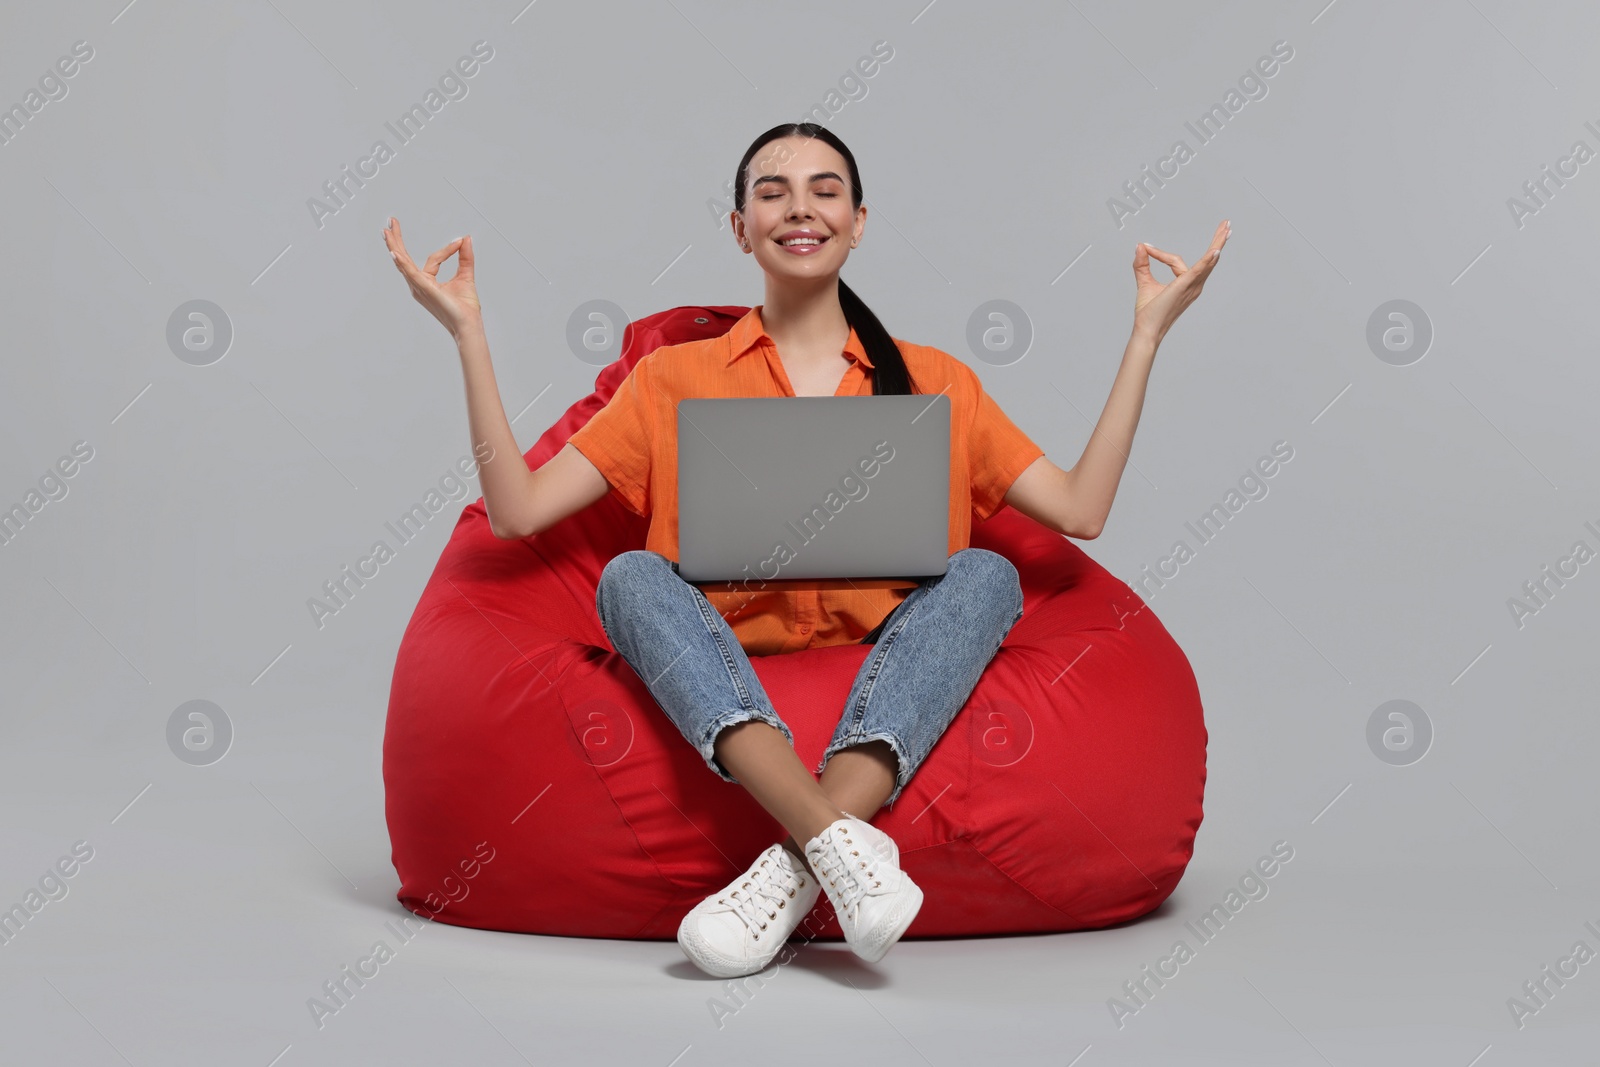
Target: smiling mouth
[(802, 245)]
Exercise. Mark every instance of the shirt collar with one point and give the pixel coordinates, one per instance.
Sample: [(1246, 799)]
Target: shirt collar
[(748, 334)]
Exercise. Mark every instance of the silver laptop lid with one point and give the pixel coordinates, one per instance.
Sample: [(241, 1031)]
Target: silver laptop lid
[(813, 487)]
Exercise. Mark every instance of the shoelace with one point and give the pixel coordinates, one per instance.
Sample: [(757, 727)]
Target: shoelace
[(846, 870), (770, 880)]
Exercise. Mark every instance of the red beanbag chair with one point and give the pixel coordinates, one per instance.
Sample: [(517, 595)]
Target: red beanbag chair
[(534, 785)]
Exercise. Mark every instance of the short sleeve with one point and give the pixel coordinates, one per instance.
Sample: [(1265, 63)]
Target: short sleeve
[(619, 439), (997, 450)]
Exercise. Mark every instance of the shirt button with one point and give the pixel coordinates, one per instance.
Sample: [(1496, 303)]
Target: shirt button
[(804, 627)]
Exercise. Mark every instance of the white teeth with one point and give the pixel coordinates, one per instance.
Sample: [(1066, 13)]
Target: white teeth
[(801, 241)]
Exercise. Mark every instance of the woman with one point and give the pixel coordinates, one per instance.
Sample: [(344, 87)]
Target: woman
[(799, 210)]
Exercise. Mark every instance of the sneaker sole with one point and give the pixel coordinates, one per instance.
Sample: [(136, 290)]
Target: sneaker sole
[(881, 948)]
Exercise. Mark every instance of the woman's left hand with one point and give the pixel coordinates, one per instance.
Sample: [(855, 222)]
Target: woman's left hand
[(1156, 306)]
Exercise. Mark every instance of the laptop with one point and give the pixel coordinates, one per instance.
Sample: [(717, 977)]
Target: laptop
[(771, 488)]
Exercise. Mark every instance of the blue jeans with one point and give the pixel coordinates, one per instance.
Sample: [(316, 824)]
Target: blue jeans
[(927, 659)]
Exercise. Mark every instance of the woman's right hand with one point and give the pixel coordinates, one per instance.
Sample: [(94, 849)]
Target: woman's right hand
[(455, 302)]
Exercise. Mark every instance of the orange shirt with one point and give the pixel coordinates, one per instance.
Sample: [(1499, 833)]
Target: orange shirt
[(633, 441)]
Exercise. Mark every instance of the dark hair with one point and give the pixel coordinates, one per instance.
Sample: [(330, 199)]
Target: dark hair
[(889, 375)]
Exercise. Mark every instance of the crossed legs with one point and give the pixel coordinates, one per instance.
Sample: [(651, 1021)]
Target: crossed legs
[(929, 655)]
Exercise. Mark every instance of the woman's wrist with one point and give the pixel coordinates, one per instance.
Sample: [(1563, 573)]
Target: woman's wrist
[(469, 333), (1145, 339)]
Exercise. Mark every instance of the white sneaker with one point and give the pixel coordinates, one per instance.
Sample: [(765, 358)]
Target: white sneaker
[(860, 869), (741, 928)]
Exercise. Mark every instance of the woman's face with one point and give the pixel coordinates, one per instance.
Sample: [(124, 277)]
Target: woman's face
[(798, 184)]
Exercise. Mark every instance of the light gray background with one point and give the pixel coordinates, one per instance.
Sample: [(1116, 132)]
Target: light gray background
[(1419, 499)]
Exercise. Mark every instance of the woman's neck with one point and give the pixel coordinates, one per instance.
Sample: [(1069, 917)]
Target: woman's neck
[(809, 328)]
